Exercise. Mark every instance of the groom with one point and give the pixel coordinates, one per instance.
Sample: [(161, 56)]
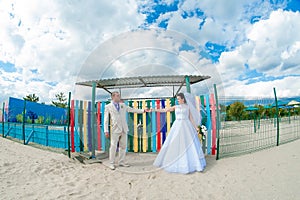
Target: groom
[(117, 112)]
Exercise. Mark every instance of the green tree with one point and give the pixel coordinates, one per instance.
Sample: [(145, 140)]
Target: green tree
[(298, 111), (228, 117), (246, 116), (222, 108), (269, 111), (260, 112), (29, 121), (40, 120), (272, 112), (61, 100), (48, 120), (283, 112), (31, 97), (19, 118), (236, 110)]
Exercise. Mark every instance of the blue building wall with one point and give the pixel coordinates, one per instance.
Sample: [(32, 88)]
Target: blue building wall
[(33, 110)]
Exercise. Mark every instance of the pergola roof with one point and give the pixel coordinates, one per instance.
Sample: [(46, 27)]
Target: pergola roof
[(144, 81)]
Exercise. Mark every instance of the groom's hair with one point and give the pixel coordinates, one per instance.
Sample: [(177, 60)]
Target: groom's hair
[(114, 93)]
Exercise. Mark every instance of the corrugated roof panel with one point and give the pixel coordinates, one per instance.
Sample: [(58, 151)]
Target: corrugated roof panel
[(146, 81)]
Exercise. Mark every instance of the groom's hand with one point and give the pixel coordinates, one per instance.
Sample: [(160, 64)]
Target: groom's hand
[(107, 134)]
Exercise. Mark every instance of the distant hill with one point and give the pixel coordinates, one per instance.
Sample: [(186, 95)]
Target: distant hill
[(250, 101)]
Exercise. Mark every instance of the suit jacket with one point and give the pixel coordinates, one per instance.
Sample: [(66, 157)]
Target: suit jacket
[(118, 118)]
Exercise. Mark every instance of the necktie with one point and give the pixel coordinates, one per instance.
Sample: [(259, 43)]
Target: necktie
[(117, 106)]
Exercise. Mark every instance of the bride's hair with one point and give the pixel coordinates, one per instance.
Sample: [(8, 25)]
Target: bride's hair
[(181, 95)]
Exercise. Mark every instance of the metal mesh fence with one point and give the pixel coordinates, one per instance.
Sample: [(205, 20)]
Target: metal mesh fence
[(25, 122), (52, 136), (289, 128), (252, 124), (244, 125)]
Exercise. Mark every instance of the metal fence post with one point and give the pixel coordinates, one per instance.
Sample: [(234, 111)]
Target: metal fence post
[(69, 118), (23, 123), (3, 119), (277, 116), (187, 83), (217, 121), (33, 133), (65, 137), (254, 122), (47, 136)]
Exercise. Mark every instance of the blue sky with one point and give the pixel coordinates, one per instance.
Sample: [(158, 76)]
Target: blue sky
[(248, 47)]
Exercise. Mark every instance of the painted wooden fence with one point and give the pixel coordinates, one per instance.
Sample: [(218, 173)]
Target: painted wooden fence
[(147, 131)]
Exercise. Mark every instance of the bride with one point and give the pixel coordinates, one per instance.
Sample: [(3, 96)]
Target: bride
[(182, 151)]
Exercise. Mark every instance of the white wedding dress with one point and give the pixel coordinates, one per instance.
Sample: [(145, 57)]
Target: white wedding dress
[(181, 151)]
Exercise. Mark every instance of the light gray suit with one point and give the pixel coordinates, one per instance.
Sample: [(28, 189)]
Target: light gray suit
[(119, 129)]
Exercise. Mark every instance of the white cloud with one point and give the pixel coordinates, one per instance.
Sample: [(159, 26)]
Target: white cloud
[(225, 21), (222, 22), (188, 26), (291, 52), (55, 37), (146, 52), (272, 49), (273, 38), (287, 87), (133, 49)]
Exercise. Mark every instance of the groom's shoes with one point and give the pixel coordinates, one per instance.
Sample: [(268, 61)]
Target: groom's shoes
[(124, 165), (112, 166)]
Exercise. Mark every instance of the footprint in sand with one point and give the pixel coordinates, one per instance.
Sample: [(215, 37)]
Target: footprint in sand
[(152, 177), (66, 179), (37, 169), (6, 164), (74, 193), (72, 184)]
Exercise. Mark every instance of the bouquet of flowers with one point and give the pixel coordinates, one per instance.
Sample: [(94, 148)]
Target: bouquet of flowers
[(202, 132)]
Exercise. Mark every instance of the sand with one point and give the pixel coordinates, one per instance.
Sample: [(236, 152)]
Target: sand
[(27, 172)]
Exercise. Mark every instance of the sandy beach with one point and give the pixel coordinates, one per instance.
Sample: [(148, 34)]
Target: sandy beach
[(31, 173)]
